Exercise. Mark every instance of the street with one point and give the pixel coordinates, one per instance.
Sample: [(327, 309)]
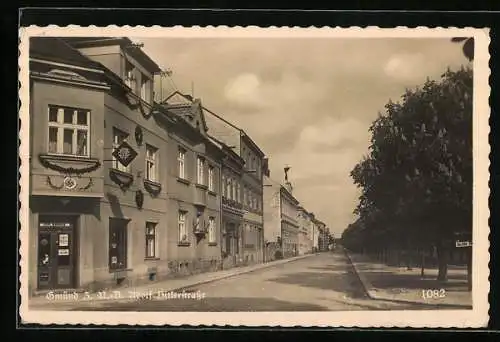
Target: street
[(324, 282)]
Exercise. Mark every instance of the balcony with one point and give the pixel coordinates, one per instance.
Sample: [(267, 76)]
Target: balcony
[(232, 204), (200, 195)]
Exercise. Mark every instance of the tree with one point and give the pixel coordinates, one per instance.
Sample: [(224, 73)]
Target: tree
[(468, 47), (416, 181)]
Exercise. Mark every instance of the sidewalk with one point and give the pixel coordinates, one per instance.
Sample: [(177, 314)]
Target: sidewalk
[(398, 284), (130, 294)]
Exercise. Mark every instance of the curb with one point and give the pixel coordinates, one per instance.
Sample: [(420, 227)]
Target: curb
[(371, 292), (100, 302)]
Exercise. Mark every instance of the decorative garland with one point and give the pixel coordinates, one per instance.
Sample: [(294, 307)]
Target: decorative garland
[(152, 187), (139, 105), (138, 135), (143, 112), (123, 184), (55, 187), (139, 199), (69, 170), (88, 186), (59, 187)]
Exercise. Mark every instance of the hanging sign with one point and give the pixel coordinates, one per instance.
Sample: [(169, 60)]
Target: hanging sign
[(460, 244), (124, 153)]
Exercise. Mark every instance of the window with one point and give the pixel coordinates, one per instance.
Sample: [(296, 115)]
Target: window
[(129, 76), (211, 230), (238, 193), (183, 237), (117, 244), (200, 166), (151, 240), (145, 88), (181, 158), (118, 138), (229, 188), (245, 195), (235, 190), (69, 131), (211, 186), (151, 171), (224, 193)]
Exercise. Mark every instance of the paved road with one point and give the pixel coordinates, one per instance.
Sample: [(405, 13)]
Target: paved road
[(320, 283)]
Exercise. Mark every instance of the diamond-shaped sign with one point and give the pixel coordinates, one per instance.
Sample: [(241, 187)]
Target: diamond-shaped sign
[(124, 153)]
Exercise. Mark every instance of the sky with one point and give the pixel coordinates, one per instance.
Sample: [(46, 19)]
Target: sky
[(307, 102)]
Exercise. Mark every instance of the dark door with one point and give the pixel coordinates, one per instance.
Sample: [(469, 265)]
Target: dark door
[(56, 250)]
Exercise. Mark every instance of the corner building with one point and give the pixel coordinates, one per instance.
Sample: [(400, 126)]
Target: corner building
[(99, 218)]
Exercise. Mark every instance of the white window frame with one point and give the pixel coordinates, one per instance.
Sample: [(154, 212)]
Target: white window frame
[(212, 230), (155, 254), (117, 134), (129, 78), (151, 163), (182, 226), (224, 190), (200, 170), (181, 163), (74, 126), (145, 88), (211, 171), (229, 188)]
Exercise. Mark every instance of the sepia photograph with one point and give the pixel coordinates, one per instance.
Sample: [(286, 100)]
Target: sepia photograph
[(238, 176)]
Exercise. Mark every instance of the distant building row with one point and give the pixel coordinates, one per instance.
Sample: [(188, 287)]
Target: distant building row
[(124, 189)]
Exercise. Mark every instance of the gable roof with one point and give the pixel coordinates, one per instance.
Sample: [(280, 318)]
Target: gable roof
[(124, 42), (226, 149), (57, 50), (186, 108)]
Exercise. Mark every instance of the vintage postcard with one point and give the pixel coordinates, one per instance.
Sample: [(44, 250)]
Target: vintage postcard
[(246, 176)]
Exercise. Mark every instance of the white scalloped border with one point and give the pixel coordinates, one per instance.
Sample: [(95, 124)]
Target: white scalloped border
[(478, 317)]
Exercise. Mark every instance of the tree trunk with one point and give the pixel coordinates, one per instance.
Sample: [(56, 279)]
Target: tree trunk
[(442, 255), (422, 263), (469, 268)]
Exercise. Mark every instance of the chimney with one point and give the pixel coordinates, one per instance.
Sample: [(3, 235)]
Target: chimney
[(288, 185)]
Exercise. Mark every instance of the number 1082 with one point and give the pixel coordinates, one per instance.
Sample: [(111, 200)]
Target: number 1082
[(433, 294)]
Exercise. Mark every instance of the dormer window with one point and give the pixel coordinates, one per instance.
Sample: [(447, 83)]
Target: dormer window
[(129, 76)]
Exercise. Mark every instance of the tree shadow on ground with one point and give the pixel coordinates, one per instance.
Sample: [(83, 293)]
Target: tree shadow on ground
[(332, 268), (381, 280), (346, 283), (226, 304)]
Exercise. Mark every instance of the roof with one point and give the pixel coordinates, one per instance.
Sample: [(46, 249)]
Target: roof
[(252, 143), (124, 42), (57, 50), (226, 149), (186, 110)]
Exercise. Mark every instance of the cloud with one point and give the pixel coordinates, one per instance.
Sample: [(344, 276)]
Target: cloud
[(405, 66), (305, 102), (244, 90)]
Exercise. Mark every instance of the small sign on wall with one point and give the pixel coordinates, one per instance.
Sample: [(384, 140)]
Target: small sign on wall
[(63, 240), (64, 251)]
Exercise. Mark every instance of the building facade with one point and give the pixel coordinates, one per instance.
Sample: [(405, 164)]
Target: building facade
[(194, 190), (305, 235), (247, 188), (121, 190), (281, 220), (232, 207)]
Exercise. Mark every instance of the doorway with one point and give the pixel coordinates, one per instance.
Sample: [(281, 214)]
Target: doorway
[(56, 252)]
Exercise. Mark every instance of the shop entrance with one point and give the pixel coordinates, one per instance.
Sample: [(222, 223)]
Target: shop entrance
[(56, 252)]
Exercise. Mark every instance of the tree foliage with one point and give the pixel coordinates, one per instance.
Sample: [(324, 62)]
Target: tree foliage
[(416, 180)]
